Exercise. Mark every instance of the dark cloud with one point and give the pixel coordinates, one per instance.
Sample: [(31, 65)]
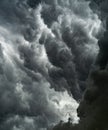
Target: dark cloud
[(33, 3), (103, 55), (94, 102), (47, 50), (93, 106), (67, 49)]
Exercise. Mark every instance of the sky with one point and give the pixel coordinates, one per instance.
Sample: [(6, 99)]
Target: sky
[(47, 49)]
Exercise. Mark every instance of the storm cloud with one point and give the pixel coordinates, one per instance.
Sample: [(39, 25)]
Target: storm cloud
[(47, 50), (93, 108)]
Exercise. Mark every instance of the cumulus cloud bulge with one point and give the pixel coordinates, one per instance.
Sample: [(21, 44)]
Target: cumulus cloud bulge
[(47, 50)]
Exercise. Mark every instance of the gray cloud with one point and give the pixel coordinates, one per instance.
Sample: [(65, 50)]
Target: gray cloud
[(93, 107), (72, 41), (44, 61)]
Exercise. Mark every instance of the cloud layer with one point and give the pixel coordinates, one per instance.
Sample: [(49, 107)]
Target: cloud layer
[(46, 52)]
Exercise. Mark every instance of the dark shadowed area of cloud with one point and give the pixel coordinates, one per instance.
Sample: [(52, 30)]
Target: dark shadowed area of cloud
[(93, 109)]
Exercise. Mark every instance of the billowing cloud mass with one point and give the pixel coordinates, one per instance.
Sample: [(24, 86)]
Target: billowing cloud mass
[(47, 48), (93, 108)]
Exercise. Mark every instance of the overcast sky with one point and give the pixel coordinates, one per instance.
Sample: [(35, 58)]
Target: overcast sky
[(47, 49)]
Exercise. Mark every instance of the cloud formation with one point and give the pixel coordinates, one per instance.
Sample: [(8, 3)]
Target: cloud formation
[(46, 52), (93, 108)]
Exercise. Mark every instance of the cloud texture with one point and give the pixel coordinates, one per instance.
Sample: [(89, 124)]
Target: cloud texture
[(46, 51), (93, 108)]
